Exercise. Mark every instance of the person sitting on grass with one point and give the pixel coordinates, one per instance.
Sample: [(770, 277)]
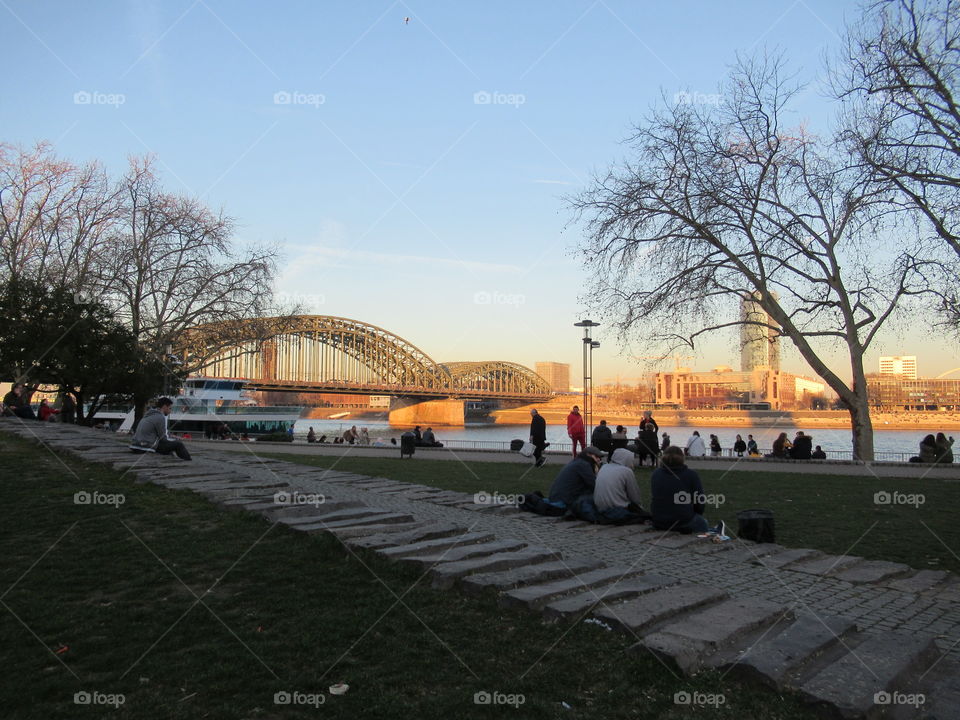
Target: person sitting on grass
[(46, 413), (152, 433), (15, 404), (676, 495), (616, 486), (818, 454), (578, 477)]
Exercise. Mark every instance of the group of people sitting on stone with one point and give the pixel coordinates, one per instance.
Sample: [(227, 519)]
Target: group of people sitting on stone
[(16, 403), (676, 492), (935, 449)]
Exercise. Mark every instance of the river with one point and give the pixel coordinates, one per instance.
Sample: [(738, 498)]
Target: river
[(836, 443)]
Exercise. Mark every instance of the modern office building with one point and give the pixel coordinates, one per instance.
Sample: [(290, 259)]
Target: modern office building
[(900, 393), (557, 374), (903, 365), (723, 388), (759, 346)]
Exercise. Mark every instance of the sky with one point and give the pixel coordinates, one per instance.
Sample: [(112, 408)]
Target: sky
[(413, 174)]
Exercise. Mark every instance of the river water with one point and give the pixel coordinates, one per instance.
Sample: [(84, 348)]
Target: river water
[(836, 442)]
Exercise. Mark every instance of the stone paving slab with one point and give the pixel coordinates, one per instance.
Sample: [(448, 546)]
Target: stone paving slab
[(637, 615), (872, 571), (920, 581), (380, 519), (352, 531), (530, 575), (428, 546), (781, 559), (605, 594), (535, 597), (825, 565), (330, 515), (878, 664), (689, 641), (675, 541), (779, 654), (433, 531), (462, 552), (446, 574)]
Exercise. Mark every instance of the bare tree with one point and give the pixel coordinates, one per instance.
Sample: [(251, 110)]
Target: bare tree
[(718, 206), (899, 74), (55, 216), (174, 264)]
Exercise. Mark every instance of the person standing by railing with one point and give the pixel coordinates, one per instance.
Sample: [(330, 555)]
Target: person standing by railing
[(576, 430)]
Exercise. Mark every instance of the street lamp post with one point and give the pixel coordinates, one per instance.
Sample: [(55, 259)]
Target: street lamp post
[(588, 345)]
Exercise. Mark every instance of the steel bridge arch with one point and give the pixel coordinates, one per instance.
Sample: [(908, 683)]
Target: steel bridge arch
[(496, 377), (244, 348)]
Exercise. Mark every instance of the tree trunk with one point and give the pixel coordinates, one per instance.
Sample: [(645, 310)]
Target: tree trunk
[(862, 427)]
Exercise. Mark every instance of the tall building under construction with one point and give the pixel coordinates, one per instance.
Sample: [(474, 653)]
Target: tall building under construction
[(759, 346)]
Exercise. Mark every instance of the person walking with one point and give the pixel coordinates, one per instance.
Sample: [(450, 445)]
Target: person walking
[(538, 436), (576, 430)]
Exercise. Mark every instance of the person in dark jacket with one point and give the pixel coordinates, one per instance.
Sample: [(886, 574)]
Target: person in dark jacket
[(928, 450), (16, 403), (676, 495), (647, 444), (68, 409), (944, 448), (602, 437), (538, 436), (578, 477), (739, 446), (818, 454), (648, 420), (752, 448), (802, 446)]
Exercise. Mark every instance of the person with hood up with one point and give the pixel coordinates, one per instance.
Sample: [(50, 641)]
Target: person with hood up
[(152, 433), (695, 446), (578, 477), (616, 485), (944, 448), (677, 501)]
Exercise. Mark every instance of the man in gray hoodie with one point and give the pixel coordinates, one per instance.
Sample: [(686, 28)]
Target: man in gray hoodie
[(151, 433), (616, 484)]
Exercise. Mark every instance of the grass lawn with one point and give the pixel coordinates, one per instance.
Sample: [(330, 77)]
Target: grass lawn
[(188, 611), (833, 513)]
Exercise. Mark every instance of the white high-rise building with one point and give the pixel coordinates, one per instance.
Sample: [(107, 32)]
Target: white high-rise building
[(759, 346), (903, 365)]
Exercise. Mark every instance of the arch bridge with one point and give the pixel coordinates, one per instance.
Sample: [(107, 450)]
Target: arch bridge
[(327, 354)]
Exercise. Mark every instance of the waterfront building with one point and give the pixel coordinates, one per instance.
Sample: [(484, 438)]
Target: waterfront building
[(556, 374), (903, 365), (900, 393), (759, 346)]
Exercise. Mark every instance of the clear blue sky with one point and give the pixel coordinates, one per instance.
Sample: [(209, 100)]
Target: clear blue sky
[(398, 198)]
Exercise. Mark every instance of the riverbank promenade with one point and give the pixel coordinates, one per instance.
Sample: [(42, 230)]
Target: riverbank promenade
[(844, 633), (723, 464)]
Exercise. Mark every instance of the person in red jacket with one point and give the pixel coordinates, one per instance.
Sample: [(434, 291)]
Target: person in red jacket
[(576, 431), (46, 412)]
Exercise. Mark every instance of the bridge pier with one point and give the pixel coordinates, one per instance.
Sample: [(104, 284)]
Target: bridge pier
[(407, 412)]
